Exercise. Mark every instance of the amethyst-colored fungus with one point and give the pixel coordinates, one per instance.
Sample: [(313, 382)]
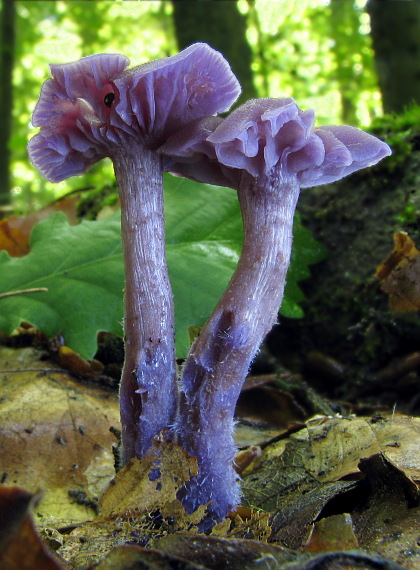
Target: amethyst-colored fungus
[(267, 149), (95, 108), (161, 116)]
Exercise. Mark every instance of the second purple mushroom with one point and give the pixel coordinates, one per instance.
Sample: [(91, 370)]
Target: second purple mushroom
[(266, 150)]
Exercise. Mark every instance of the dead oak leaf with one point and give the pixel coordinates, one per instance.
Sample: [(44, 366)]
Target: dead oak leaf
[(54, 435), (18, 534), (400, 274), (148, 483), (15, 231)]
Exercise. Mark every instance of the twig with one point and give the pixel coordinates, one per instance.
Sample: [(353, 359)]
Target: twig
[(44, 370), (23, 292)]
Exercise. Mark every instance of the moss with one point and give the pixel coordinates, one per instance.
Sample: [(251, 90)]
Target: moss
[(395, 123), (401, 132)]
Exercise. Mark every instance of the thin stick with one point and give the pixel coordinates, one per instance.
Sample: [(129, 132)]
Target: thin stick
[(44, 370), (23, 292)]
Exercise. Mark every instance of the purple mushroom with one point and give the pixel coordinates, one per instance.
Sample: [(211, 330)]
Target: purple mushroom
[(95, 108), (267, 149)]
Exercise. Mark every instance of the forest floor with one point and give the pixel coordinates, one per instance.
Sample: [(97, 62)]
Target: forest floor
[(326, 483)]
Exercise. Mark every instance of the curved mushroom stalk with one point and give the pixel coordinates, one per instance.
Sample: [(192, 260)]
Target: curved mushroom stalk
[(92, 109), (219, 359), (266, 149)]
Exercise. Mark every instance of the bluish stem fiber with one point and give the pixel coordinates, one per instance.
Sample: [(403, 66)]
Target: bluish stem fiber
[(148, 391), (219, 360)]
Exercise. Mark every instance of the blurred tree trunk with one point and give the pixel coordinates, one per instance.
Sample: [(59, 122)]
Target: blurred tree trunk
[(395, 26), (7, 44), (344, 22), (223, 27)]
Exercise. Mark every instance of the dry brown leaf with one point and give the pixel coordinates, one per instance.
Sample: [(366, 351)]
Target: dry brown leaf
[(72, 361), (54, 435), (389, 523), (15, 231), (299, 505), (336, 446), (400, 274), (331, 448), (148, 484), (18, 535), (399, 439), (332, 533)]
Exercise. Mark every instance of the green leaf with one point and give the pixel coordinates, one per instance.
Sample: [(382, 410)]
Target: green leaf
[(204, 239), (82, 268)]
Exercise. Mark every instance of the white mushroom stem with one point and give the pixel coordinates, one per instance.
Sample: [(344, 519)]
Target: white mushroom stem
[(148, 396), (220, 358)]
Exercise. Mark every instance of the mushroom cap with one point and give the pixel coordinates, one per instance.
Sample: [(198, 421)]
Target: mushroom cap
[(90, 106), (165, 94), (269, 133)]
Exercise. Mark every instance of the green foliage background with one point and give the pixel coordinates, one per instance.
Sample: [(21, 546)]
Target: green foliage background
[(316, 51), (82, 268)]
